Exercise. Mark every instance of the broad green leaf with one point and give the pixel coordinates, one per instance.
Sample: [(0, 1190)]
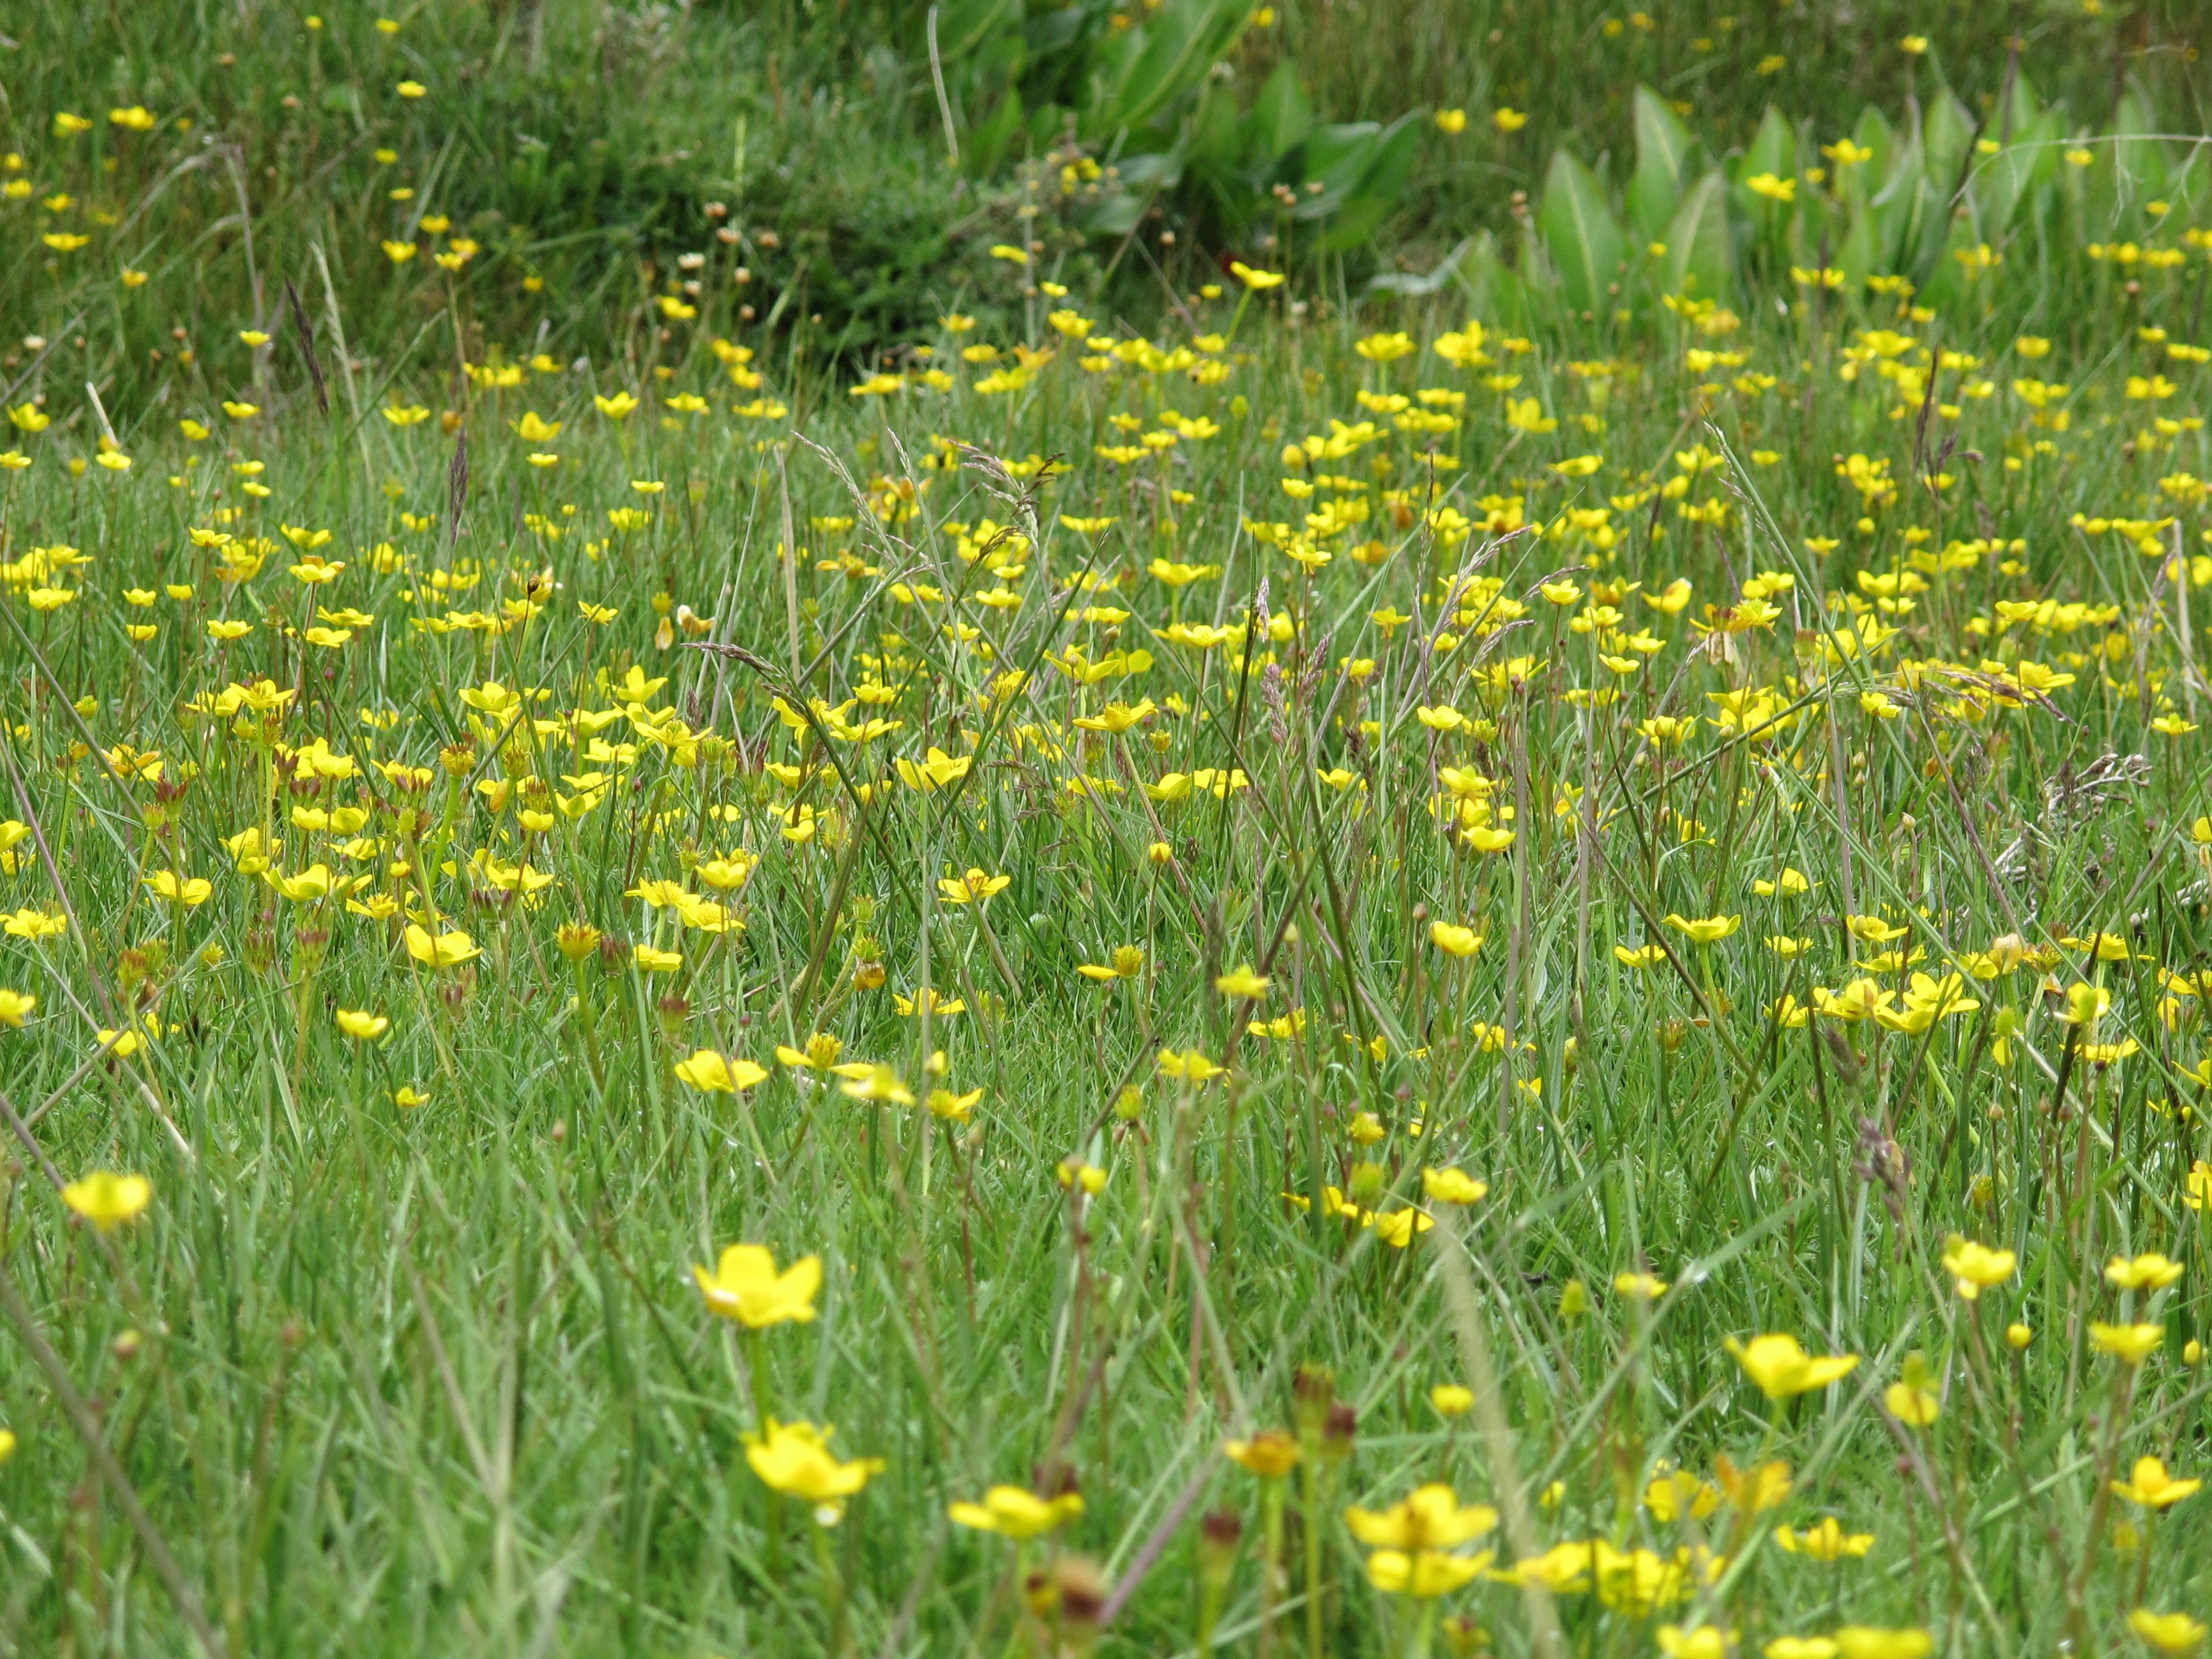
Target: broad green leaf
[(1773, 149), (2001, 182), (2026, 108), (1949, 281), (1494, 290), (1333, 157), (1873, 132), (1700, 261), (1168, 56), (1420, 284), (2144, 167), (1215, 134), (988, 141), (1896, 208), (1858, 257), (963, 25), (1580, 235), (1664, 149), (1280, 118), (1374, 192), (1945, 136)]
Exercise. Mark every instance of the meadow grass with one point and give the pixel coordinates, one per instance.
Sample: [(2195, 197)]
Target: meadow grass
[(1401, 898)]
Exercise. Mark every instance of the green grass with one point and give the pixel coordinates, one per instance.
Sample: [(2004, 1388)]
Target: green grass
[(436, 1379)]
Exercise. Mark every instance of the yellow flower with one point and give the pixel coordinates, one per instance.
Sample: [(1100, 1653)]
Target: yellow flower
[(617, 407), (315, 882), (106, 1200), (820, 1056), (1257, 281), (362, 1025), (1527, 415), (1801, 1647), (1431, 1517), (974, 886), (399, 252), (1017, 1512), (1755, 1490), (934, 771), (2130, 1344), (1868, 1642), (1508, 120), (1450, 1400), (1675, 1492), (1424, 1574), (2169, 1632), (1241, 982), (1638, 1287), (1452, 1186), (2084, 1005), (1828, 1541), (1976, 1267), (746, 1287), (793, 1459), (439, 949), (1781, 1368), (187, 891), (410, 89), (1451, 120), (1270, 1454), (1914, 1400), (1454, 940), (16, 1007), (718, 1074), (1704, 930), (876, 1082), (951, 1107), (652, 960), (1706, 1642), (1191, 1067), (2149, 1272), (2152, 1487), (927, 1001)]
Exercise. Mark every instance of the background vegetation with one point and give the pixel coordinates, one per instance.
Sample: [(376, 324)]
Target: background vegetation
[(1861, 535)]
